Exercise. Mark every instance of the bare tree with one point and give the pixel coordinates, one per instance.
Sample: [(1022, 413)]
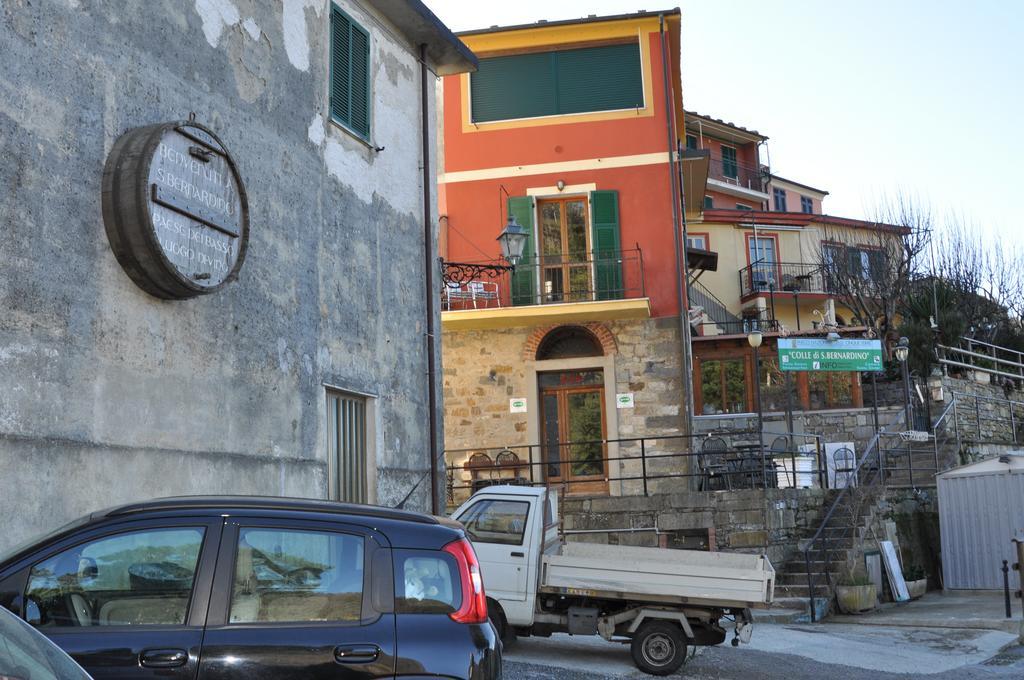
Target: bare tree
[(872, 271)]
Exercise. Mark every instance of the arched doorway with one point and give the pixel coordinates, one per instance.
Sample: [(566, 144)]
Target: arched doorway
[(573, 412)]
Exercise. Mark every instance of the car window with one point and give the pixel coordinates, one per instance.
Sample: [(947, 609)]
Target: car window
[(296, 575), (496, 521), (25, 653), (426, 582), (132, 578)]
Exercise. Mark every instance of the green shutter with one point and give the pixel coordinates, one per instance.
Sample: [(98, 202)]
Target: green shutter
[(604, 216), (350, 73), (524, 278), (556, 83)]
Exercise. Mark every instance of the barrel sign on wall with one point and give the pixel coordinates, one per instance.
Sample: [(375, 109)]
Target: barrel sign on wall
[(175, 209)]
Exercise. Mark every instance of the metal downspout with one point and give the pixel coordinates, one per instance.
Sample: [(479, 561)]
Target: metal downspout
[(678, 225), (429, 261)]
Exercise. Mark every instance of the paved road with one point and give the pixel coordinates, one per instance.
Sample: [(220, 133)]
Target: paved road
[(792, 652)]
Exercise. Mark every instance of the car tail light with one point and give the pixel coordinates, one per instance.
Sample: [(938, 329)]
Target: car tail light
[(474, 601)]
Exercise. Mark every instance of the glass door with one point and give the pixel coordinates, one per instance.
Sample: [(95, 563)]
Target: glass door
[(764, 263), (565, 250), (572, 405)]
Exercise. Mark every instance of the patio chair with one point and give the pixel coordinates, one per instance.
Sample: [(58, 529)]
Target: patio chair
[(454, 292), (481, 470), (509, 461), (780, 447), (845, 463), (484, 291), (714, 464)]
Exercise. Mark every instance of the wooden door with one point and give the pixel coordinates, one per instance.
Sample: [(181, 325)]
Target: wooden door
[(573, 430)]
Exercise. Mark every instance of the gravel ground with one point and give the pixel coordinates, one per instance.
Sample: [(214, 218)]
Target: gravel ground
[(849, 653)]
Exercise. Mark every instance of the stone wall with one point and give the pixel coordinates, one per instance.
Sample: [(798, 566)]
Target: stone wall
[(484, 369), (770, 522), (109, 395), (986, 419)]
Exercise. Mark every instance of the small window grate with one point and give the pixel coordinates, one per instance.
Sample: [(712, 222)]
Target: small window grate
[(346, 433)]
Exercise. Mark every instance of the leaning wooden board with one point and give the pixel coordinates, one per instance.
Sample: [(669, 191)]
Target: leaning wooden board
[(659, 575)]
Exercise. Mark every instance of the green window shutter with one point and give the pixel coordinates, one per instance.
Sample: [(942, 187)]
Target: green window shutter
[(524, 278), (360, 81), (350, 73), (341, 41), (599, 78), (604, 216), (555, 83)]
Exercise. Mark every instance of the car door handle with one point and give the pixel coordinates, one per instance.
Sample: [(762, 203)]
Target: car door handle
[(356, 653), (163, 658), (518, 554)]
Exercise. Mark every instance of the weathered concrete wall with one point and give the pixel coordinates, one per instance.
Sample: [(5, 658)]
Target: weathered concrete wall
[(109, 395)]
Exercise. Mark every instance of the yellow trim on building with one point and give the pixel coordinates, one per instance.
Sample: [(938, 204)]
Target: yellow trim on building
[(556, 167), (542, 315), (562, 37)]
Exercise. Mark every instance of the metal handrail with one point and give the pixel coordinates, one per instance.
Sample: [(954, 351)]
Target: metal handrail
[(872, 449)]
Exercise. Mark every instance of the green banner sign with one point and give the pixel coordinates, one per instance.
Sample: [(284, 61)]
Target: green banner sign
[(826, 355)]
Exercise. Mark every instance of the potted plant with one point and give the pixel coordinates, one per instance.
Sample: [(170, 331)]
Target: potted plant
[(917, 581), (855, 593)]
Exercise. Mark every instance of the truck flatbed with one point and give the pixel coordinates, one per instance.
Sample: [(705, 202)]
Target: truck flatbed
[(661, 576)]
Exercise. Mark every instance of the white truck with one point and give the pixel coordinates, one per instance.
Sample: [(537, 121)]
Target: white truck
[(660, 600)]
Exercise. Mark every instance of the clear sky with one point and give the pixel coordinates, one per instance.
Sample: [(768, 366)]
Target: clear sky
[(858, 98)]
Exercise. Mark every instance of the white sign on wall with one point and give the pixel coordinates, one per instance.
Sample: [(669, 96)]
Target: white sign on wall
[(624, 400), (517, 405)]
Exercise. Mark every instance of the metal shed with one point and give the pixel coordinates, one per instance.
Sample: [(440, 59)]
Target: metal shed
[(981, 509)]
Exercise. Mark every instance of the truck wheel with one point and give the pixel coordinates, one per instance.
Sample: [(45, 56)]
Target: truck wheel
[(658, 647)]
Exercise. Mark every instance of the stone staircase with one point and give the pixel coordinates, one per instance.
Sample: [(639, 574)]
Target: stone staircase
[(840, 546)]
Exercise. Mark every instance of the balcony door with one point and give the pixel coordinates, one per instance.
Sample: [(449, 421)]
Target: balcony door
[(763, 254), (572, 429), (565, 250)]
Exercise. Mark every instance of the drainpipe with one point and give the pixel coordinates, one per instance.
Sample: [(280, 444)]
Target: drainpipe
[(678, 226), (429, 260)]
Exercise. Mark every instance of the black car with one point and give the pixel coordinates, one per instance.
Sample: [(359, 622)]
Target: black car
[(28, 655), (245, 587)]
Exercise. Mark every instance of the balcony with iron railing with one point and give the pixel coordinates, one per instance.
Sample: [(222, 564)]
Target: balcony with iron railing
[(594, 276), (737, 173), (785, 277)]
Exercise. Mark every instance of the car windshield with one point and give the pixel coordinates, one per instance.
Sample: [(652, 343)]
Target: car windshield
[(26, 654), (40, 538)]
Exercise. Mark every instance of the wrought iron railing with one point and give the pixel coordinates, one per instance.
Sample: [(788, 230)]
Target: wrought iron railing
[(552, 279), (785, 277), (736, 173), (640, 464)]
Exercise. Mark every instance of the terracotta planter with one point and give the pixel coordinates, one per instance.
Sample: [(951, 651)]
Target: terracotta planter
[(917, 588), (856, 599)]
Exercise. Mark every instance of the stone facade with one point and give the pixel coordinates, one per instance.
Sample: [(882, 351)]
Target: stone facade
[(109, 395), (770, 522), (484, 369)]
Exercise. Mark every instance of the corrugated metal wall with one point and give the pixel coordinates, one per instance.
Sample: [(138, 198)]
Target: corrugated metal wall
[(978, 517)]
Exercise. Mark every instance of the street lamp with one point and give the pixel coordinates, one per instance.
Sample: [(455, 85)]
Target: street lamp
[(902, 351), (755, 338), (512, 241)]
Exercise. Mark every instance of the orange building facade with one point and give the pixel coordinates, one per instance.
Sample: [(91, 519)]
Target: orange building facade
[(575, 129)]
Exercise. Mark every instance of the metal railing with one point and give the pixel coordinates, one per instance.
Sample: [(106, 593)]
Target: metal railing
[(559, 278), (985, 357), (736, 173), (699, 296), (979, 419), (784, 277), (868, 475), (639, 462)]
